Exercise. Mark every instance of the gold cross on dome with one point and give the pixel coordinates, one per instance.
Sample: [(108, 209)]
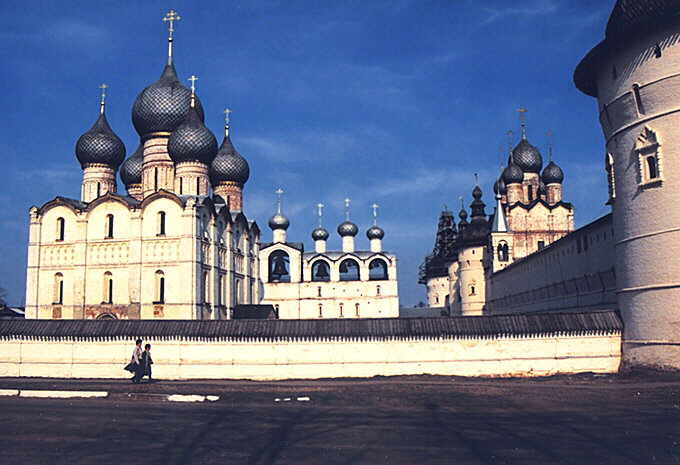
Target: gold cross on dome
[(170, 17)]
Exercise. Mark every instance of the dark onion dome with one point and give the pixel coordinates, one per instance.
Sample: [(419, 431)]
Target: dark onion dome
[(347, 228), (279, 221), (375, 232), (320, 234), (552, 173), (527, 157), (629, 19), (100, 145), (164, 105), (477, 231), (229, 165), (131, 169), (541, 188), (192, 141), (512, 174), (499, 187)]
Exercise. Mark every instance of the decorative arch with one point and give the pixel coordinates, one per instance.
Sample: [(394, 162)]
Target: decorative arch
[(109, 197), (107, 316), (279, 267), (321, 271), (377, 270), (161, 194), (349, 270), (503, 251)]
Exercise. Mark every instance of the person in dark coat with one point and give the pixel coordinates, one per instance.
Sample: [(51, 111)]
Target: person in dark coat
[(133, 366), (144, 365)]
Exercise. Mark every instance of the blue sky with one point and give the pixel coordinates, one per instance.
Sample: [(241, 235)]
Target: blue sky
[(397, 102)]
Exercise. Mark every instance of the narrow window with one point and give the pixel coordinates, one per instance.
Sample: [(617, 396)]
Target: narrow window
[(198, 186), (108, 288), (541, 245), (436, 299), (638, 99), (220, 297), (530, 193), (356, 309), (161, 223), (109, 226), (206, 287), (318, 291), (472, 289), (652, 167), (59, 288), (180, 185), (377, 290), (60, 229), (320, 310), (99, 189), (155, 179), (657, 50), (160, 287), (341, 307)]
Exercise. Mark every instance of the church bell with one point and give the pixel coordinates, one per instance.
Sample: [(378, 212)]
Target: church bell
[(279, 267), (322, 271)]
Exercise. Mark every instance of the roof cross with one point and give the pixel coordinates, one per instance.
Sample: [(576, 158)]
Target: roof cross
[(279, 193), (550, 143), (102, 102), (193, 80), (347, 203), (523, 120), (170, 18), (375, 207), (227, 119), (319, 207)]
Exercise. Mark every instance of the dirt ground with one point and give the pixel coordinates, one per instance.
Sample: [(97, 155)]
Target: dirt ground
[(586, 419)]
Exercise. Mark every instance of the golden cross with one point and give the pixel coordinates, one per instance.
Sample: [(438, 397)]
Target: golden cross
[(102, 102), (170, 17)]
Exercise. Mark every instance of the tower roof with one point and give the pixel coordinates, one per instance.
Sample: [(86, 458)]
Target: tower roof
[(100, 145)]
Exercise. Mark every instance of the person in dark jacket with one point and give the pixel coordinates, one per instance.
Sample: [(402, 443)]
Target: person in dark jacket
[(144, 365)]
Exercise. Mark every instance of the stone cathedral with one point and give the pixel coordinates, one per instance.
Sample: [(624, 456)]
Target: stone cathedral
[(177, 246)]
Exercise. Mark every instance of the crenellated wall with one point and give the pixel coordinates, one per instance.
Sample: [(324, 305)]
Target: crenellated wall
[(573, 273)]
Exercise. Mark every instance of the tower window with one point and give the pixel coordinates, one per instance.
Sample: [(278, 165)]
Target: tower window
[(180, 185), (320, 272), (349, 270), (657, 50), (318, 291), (530, 193), (652, 168), (320, 310), (160, 287), (541, 245), (59, 288), (609, 167), (161, 223), (279, 266), (377, 270), (356, 309), (108, 288), (155, 179), (503, 251), (341, 307), (109, 226), (99, 189), (206, 287), (647, 147), (638, 99), (198, 186), (377, 290), (61, 225)]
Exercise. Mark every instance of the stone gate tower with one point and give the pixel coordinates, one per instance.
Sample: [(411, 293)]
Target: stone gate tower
[(635, 75)]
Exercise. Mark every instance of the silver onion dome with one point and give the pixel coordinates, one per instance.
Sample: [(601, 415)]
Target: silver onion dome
[(131, 169), (229, 165), (375, 232), (527, 157), (552, 173), (192, 141), (347, 228), (100, 145), (164, 105), (512, 174), (279, 221), (320, 234)]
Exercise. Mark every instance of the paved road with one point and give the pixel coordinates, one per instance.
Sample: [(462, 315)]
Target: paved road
[(389, 421)]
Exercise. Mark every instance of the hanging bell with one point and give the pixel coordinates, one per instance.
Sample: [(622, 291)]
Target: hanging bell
[(322, 271), (279, 267), (343, 267)]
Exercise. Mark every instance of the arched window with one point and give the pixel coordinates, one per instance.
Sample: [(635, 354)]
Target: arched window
[(356, 309), (503, 251), (472, 288), (349, 270), (107, 316), (638, 99), (320, 271), (61, 227), (59, 288), (160, 287), (198, 186), (161, 223), (109, 226), (220, 293), (108, 288), (155, 181), (320, 310), (206, 287), (279, 267), (181, 185), (652, 168), (237, 292), (530, 192), (377, 270)]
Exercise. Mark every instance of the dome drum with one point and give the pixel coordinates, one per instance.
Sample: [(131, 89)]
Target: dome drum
[(192, 141)]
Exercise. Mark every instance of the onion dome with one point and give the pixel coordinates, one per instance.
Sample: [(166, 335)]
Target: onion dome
[(320, 234), (131, 169), (499, 187), (476, 233), (552, 173), (541, 189), (512, 174), (279, 221), (228, 164), (347, 228), (375, 232), (192, 141), (527, 157), (164, 105), (100, 145)]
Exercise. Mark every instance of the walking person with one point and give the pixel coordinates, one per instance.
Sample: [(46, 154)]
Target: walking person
[(135, 360), (145, 364)]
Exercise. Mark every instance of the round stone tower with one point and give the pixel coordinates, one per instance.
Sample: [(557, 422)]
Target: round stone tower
[(633, 73)]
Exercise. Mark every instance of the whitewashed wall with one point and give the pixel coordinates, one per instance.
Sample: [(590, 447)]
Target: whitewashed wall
[(269, 360)]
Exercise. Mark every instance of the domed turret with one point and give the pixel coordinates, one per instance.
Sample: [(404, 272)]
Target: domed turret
[(499, 186), (99, 152), (278, 221), (100, 145), (347, 229), (552, 174), (320, 234), (476, 233), (131, 169), (527, 157), (512, 174), (375, 232), (192, 141), (163, 106), (229, 171)]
